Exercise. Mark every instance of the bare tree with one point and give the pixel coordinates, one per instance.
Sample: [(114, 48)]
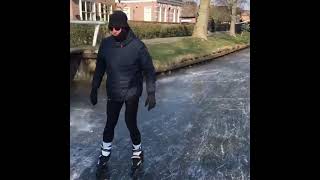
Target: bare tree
[(232, 6), (219, 13), (200, 28)]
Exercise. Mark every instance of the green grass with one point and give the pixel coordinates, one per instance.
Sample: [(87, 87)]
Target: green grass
[(165, 53)]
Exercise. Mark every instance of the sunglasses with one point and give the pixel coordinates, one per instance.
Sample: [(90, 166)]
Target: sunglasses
[(116, 28)]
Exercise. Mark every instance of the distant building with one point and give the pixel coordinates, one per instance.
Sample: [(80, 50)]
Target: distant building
[(91, 10), (189, 12), (245, 15), (136, 10), (152, 10)]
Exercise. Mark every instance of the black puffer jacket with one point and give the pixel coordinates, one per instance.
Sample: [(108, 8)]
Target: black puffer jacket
[(124, 62)]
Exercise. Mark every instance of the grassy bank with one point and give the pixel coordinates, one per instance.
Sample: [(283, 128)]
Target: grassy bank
[(175, 53), (166, 54)]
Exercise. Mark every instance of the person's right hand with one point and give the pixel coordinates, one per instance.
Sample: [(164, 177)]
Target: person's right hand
[(94, 96)]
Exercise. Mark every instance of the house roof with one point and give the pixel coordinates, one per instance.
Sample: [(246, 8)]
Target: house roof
[(245, 12)]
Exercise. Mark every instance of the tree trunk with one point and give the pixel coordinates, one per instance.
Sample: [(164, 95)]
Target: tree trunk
[(201, 27), (233, 18)]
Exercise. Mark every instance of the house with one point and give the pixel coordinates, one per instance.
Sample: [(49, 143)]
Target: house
[(189, 12), (245, 16), (151, 10), (136, 10), (91, 10)]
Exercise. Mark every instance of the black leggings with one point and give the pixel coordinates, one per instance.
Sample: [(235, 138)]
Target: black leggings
[(113, 111)]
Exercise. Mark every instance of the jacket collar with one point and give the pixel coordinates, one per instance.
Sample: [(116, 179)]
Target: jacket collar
[(124, 43)]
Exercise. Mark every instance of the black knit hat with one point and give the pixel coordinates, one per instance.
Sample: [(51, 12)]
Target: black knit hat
[(118, 19)]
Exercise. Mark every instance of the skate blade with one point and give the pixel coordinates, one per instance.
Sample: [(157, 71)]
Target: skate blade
[(103, 173), (136, 170)]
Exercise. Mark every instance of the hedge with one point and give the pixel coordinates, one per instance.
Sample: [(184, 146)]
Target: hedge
[(82, 34)]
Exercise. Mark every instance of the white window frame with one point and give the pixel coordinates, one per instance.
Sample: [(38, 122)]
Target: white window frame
[(165, 14), (174, 15), (160, 13), (88, 15), (178, 16), (126, 10), (149, 16), (101, 10)]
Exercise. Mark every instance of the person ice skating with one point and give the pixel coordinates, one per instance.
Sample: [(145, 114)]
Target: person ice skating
[(125, 59)]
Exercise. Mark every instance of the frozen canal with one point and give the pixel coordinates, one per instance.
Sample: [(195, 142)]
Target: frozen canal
[(199, 129)]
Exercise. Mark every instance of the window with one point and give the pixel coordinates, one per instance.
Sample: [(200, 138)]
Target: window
[(147, 13), (91, 11), (127, 11), (103, 10), (159, 13), (87, 11), (98, 14)]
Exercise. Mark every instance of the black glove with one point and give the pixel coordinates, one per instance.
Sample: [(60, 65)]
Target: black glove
[(94, 96), (151, 100)]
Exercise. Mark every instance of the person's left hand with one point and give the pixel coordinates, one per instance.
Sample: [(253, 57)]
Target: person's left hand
[(151, 100)]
